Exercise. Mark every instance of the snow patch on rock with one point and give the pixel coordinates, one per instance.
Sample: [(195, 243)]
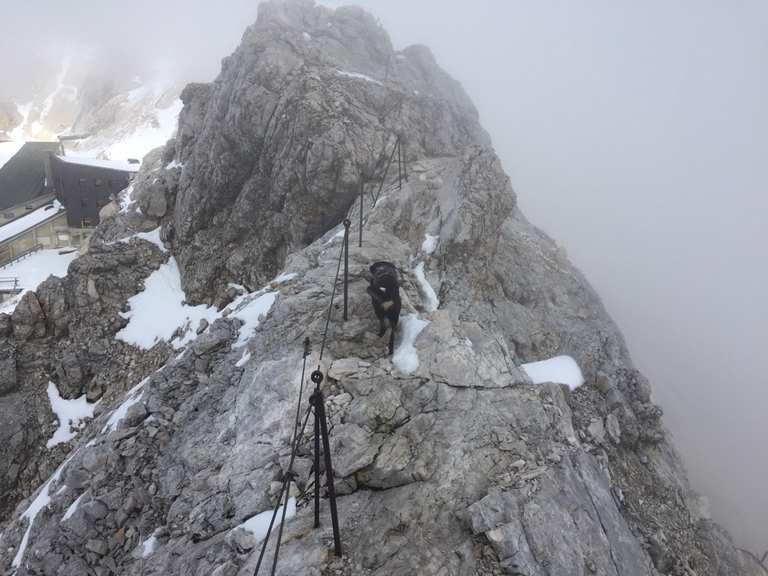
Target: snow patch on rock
[(285, 277), (70, 414), (358, 76), (430, 243), (127, 200), (157, 312), (431, 301), (133, 396), (259, 524), (72, 508), (243, 359), (40, 502), (148, 546), (251, 312), (152, 236), (560, 370), (405, 357)]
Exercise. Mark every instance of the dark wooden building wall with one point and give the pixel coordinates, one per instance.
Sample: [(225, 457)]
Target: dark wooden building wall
[(22, 178), (84, 190)]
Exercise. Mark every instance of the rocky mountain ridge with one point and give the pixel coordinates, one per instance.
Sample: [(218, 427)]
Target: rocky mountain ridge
[(455, 463)]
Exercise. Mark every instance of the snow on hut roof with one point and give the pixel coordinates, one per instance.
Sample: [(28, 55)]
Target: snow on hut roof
[(32, 219), (122, 165)]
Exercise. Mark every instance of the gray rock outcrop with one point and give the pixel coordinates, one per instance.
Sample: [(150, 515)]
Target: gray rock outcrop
[(448, 458), (64, 332)]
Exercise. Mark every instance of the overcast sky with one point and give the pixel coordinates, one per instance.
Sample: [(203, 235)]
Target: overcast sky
[(635, 133)]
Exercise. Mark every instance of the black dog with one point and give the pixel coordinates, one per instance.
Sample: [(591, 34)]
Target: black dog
[(385, 297)]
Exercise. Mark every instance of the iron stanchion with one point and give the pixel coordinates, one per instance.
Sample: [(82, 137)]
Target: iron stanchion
[(317, 400), (362, 194), (347, 224), (317, 378), (320, 407), (399, 164)]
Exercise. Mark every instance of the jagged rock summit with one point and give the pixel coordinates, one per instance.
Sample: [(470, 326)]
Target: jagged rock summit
[(448, 457)]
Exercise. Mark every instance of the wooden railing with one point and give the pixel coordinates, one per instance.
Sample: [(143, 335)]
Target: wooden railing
[(21, 256), (9, 284)]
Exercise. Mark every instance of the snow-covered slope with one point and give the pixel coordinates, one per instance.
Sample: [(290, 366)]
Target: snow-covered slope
[(33, 270), (119, 121), (130, 124)]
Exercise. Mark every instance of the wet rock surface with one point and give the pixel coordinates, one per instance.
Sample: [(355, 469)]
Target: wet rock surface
[(447, 460)]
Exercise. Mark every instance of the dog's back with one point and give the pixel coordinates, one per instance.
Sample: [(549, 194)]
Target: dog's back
[(385, 297)]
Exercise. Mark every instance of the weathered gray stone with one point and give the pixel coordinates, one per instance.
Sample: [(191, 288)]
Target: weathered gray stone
[(28, 320), (8, 382), (456, 465), (614, 430), (6, 325), (152, 200), (98, 546), (596, 430)]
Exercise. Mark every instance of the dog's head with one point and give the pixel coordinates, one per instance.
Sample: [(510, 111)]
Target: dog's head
[(384, 275)]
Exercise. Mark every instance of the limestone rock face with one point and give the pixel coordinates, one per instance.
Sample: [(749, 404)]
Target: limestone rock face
[(273, 150), (448, 459), (8, 382)]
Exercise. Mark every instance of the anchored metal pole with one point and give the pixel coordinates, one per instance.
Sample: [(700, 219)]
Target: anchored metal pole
[(399, 164), (405, 163), (317, 377), (317, 400), (384, 178), (329, 474), (362, 190), (282, 522), (347, 224)]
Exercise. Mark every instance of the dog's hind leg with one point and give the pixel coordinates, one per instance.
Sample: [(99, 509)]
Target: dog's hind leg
[(392, 338)]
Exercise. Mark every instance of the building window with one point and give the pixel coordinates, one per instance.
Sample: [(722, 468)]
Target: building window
[(83, 201), (98, 182)]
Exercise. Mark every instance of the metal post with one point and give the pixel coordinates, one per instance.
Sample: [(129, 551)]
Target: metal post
[(329, 474), (347, 224), (384, 178), (282, 521), (317, 469), (362, 191), (399, 165), (405, 163), (317, 377)]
